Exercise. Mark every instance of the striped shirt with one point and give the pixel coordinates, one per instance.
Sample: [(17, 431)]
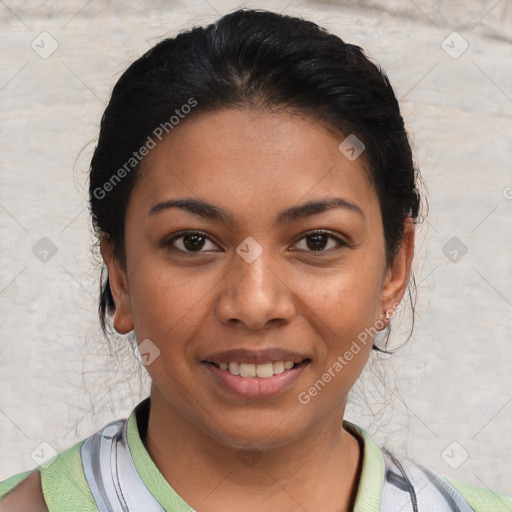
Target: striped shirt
[(111, 471)]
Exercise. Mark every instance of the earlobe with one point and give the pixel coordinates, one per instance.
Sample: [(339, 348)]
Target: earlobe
[(397, 277), (123, 319)]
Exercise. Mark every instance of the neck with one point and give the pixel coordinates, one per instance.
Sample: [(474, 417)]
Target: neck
[(319, 471)]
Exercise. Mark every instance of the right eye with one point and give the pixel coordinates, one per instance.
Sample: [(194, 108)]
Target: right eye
[(189, 242)]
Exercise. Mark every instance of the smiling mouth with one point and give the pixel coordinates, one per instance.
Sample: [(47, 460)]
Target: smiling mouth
[(261, 370)]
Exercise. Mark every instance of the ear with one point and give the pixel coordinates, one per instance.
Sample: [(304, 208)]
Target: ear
[(123, 319), (397, 277)]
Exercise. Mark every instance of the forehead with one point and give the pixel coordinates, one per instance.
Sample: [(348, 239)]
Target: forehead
[(247, 161)]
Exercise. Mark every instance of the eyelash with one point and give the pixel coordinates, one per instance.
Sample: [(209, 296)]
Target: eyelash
[(182, 234)]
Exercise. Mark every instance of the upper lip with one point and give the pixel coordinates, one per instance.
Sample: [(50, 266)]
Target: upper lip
[(242, 355)]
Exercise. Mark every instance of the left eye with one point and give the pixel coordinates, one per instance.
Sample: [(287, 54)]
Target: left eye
[(193, 241), (319, 239)]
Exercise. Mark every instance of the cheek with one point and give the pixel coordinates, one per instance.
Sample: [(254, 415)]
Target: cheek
[(168, 305), (344, 307), (343, 317), (345, 297)]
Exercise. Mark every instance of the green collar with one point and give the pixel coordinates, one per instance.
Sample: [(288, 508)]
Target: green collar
[(372, 473), (368, 493)]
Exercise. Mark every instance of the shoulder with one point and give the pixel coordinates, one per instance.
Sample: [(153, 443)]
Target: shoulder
[(23, 493), (61, 484), (480, 499), (11, 482), (61, 481), (406, 483)]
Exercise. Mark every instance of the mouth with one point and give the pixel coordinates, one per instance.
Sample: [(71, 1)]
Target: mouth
[(264, 370), (252, 380)]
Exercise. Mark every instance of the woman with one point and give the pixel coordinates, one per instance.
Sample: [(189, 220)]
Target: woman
[(254, 196)]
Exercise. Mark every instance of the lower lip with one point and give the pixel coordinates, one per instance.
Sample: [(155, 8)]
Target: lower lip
[(255, 387)]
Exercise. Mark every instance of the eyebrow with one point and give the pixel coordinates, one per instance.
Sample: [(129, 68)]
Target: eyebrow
[(210, 211)]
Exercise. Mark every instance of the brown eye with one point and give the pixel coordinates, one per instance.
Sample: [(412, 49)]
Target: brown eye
[(190, 242), (193, 242), (317, 241)]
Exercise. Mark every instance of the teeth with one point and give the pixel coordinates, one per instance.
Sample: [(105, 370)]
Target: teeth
[(278, 367), (233, 368), (248, 370), (262, 370)]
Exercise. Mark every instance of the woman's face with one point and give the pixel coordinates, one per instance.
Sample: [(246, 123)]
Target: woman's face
[(251, 288)]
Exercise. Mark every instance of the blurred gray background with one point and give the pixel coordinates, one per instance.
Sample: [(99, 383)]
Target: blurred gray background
[(445, 399)]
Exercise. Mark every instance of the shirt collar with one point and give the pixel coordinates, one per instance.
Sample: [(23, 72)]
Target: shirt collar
[(372, 473), (368, 493)]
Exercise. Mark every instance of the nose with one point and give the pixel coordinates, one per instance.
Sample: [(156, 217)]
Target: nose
[(256, 293)]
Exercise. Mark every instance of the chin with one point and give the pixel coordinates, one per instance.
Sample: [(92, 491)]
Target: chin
[(251, 431)]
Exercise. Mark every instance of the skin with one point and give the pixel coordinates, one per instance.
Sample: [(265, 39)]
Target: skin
[(26, 496), (254, 164)]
